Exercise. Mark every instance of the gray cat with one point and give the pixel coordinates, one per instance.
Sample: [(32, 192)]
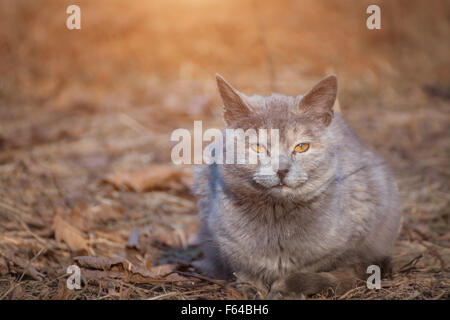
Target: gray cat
[(328, 211)]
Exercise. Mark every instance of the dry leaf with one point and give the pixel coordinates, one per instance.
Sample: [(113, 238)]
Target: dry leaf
[(131, 277), (24, 266), (98, 263), (77, 218), (167, 271), (162, 270), (119, 268), (158, 176), (64, 232), (63, 293), (18, 293)]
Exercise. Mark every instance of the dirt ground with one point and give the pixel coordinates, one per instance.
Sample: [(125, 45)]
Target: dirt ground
[(86, 118)]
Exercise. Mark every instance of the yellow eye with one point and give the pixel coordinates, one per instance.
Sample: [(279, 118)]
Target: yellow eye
[(258, 148), (301, 147)]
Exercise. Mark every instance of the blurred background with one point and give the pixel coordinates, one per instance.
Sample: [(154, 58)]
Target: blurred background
[(130, 48), (86, 117)]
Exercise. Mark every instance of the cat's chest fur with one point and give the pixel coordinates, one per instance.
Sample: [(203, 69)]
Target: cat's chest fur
[(271, 238)]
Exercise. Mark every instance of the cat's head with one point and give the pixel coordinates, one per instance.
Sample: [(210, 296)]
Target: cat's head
[(305, 154)]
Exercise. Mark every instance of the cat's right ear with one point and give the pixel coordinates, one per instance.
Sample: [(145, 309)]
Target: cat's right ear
[(235, 107)]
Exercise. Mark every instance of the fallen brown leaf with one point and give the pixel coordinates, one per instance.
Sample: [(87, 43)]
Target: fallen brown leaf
[(77, 218), (157, 176), (64, 232), (162, 270), (24, 266), (63, 293), (17, 293), (99, 263), (167, 271), (119, 268)]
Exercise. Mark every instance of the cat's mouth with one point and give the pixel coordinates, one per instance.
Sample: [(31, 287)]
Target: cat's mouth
[(281, 186)]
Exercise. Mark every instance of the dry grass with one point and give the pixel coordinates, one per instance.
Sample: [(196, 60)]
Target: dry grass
[(78, 106)]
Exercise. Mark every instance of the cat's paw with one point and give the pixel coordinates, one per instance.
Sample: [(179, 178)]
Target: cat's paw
[(298, 286), (275, 294)]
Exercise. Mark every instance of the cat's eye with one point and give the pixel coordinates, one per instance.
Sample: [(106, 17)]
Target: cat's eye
[(301, 147), (258, 148)]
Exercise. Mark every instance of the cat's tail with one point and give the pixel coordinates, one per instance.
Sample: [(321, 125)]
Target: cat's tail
[(341, 280)]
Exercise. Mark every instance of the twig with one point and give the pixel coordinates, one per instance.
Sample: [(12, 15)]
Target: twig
[(221, 283), (173, 294), (411, 264)]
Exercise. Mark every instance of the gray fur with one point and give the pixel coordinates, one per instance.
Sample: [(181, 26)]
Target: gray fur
[(338, 207)]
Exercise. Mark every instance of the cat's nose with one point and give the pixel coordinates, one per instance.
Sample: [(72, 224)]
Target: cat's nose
[(282, 173)]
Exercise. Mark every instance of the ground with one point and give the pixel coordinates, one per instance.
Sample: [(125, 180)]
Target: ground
[(85, 170)]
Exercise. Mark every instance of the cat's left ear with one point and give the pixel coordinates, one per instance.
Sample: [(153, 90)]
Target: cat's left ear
[(319, 101), (235, 106)]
